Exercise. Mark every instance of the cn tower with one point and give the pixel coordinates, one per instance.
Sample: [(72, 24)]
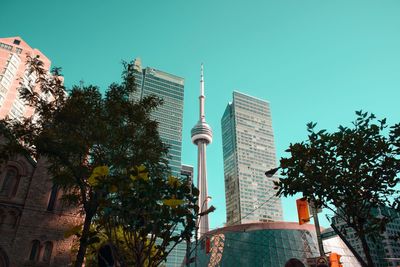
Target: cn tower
[(201, 137)]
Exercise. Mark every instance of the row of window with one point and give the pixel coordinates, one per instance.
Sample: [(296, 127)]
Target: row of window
[(165, 81), (6, 46), (10, 47), (41, 252), (5, 82), (15, 113), (10, 182), (161, 92)]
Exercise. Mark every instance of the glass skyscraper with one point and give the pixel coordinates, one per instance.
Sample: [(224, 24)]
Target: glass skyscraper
[(170, 88), (169, 115), (249, 151)]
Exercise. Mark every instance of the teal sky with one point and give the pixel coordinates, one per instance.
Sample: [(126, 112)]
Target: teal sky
[(313, 60)]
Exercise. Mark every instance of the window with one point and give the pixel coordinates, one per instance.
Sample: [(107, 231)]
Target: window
[(3, 90), (18, 50), (2, 217), (4, 262), (53, 198), (6, 46), (15, 112), (17, 42), (10, 183), (12, 219), (5, 82), (48, 248), (35, 250)]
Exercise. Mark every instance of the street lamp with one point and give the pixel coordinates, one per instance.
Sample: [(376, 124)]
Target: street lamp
[(271, 172), (200, 215)]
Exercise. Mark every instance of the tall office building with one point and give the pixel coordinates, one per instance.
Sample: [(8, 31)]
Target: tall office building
[(384, 248), (187, 173), (249, 151), (169, 116), (14, 54)]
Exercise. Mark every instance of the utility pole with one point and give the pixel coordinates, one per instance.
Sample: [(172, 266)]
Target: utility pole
[(188, 252), (314, 213)]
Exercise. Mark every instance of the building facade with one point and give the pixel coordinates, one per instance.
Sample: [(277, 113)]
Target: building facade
[(32, 219), (170, 88), (187, 172), (257, 244), (169, 115), (249, 151), (385, 249), (14, 53)]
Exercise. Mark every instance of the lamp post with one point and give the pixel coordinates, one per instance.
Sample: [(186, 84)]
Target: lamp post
[(202, 213), (188, 247)]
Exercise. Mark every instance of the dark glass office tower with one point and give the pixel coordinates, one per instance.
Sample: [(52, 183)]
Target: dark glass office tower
[(169, 115)]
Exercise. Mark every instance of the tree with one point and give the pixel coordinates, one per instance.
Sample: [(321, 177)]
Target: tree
[(352, 172), (147, 217), (94, 145)]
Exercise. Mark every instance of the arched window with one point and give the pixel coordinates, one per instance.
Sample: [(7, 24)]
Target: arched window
[(48, 249), (11, 219), (4, 262), (2, 217), (35, 250), (10, 183), (53, 198)]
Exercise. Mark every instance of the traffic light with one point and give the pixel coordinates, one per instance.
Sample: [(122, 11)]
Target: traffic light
[(334, 260), (302, 210), (208, 245)]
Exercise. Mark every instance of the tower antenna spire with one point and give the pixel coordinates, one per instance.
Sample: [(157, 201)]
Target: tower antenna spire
[(202, 96)]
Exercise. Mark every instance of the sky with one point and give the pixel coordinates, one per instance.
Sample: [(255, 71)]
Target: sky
[(313, 60)]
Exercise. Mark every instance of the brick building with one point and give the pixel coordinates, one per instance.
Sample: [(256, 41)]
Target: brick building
[(32, 218)]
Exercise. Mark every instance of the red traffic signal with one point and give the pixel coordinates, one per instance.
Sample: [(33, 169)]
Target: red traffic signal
[(208, 245), (334, 260), (302, 210)]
